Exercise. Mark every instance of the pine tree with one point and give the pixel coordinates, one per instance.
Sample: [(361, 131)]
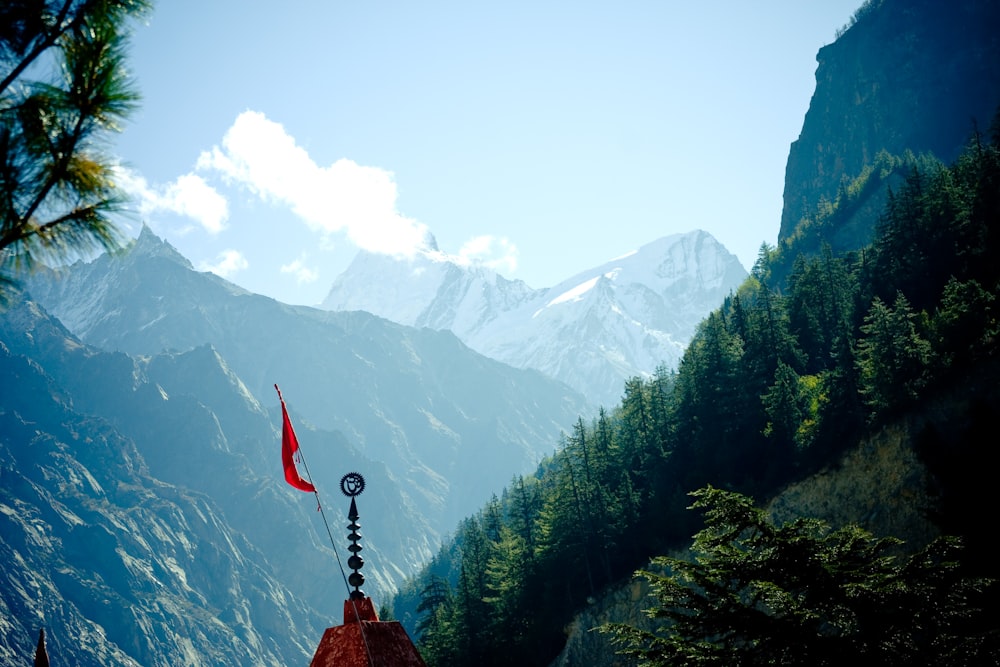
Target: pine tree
[(892, 356), (782, 401), (438, 629), (757, 593), (57, 191), (524, 505), (966, 325)]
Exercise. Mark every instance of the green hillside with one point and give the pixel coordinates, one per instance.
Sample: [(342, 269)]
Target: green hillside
[(779, 382)]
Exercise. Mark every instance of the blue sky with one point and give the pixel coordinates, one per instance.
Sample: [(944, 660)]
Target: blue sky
[(541, 138)]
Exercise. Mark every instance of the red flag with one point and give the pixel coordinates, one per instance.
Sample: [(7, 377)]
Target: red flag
[(289, 450)]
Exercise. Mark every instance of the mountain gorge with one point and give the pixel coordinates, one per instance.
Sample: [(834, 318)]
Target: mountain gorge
[(144, 521), (593, 330), (178, 367), (178, 386)]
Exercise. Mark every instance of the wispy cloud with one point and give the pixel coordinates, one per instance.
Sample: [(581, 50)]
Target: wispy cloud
[(227, 263), (497, 253), (260, 155), (189, 196), (303, 274)]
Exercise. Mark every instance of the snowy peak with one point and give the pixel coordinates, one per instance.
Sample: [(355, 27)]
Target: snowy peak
[(692, 266), (592, 331), (694, 258), (398, 289), (426, 290)]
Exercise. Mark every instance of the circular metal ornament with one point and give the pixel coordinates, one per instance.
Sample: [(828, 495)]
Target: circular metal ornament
[(352, 484)]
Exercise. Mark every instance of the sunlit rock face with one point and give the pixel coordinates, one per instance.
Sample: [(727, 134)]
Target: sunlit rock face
[(119, 566)]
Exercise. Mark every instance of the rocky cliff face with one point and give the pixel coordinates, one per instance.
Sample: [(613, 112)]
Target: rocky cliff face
[(120, 566), (908, 75)]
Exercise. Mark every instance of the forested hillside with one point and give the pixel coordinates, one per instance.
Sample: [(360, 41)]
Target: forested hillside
[(788, 374)]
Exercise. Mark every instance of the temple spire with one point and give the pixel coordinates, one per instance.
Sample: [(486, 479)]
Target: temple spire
[(363, 640)]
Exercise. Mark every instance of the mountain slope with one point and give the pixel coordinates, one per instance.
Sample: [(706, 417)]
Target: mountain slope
[(118, 566), (197, 427), (593, 330), (450, 425), (883, 473)]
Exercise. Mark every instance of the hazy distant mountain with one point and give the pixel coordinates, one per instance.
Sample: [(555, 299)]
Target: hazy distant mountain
[(450, 425), (592, 331)]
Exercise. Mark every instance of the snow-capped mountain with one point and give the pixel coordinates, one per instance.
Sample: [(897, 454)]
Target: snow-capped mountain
[(592, 331)]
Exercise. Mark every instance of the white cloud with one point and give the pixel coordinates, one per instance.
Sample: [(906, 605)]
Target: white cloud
[(498, 254), (303, 274), (260, 155), (189, 195), (227, 263)]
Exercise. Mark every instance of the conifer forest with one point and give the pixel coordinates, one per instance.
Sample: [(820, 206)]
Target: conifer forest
[(815, 351)]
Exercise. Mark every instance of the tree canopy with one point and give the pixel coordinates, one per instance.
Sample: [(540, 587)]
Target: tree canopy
[(799, 593), (63, 87)]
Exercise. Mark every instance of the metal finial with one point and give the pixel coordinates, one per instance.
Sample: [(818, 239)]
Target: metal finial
[(351, 485)]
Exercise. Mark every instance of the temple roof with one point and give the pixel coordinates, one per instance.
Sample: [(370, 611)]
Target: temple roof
[(365, 641)]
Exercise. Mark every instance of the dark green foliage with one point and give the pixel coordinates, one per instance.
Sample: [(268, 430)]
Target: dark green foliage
[(756, 593), (893, 359), (57, 188), (439, 624), (965, 328), (821, 307), (794, 369)]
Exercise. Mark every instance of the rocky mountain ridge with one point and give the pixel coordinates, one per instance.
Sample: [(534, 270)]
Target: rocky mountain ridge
[(450, 425)]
